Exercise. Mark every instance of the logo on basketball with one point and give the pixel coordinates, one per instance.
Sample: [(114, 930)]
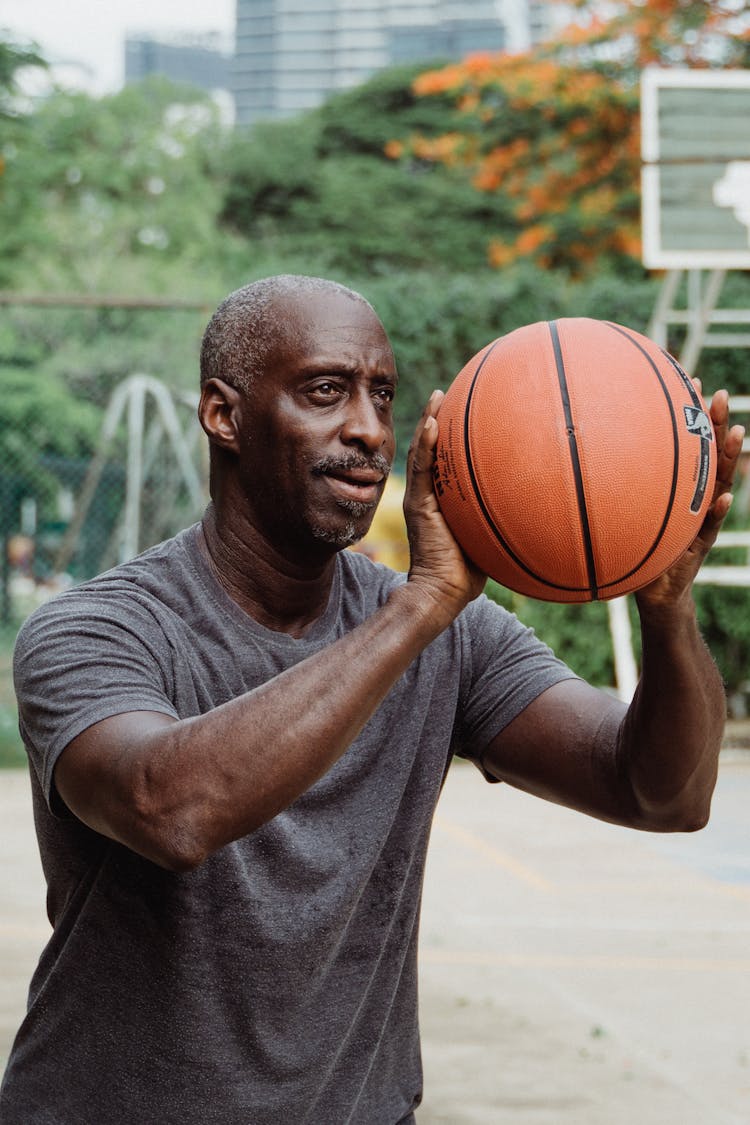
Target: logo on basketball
[(698, 423)]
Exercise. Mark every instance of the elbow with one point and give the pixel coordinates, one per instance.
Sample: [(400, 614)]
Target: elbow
[(677, 804), (678, 816), (690, 823), (166, 832), (168, 845), (694, 820), (176, 852)]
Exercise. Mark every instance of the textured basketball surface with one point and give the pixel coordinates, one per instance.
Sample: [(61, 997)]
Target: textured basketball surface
[(576, 460)]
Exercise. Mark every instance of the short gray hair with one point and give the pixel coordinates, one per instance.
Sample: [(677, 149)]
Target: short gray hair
[(250, 323)]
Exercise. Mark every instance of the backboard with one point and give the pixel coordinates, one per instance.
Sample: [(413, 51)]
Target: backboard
[(695, 144)]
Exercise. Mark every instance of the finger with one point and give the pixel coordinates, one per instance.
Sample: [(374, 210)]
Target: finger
[(435, 401), (422, 449), (728, 456), (733, 442), (427, 421), (720, 508), (728, 442), (719, 413)]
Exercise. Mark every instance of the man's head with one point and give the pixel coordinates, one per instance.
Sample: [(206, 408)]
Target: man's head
[(298, 378)]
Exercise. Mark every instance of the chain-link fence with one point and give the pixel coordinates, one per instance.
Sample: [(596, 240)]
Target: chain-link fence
[(97, 459), (63, 519)]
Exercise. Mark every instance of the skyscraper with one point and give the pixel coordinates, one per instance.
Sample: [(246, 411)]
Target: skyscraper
[(197, 59), (290, 54)]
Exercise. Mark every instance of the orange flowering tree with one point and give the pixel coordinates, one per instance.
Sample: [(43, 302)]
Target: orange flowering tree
[(556, 130)]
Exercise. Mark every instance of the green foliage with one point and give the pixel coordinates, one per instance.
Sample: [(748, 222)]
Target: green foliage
[(134, 175), (367, 118), (555, 130), (16, 224), (39, 417), (321, 186), (90, 351), (12, 753), (725, 625), (14, 57)]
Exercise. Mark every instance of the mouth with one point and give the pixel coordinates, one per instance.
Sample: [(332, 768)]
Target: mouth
[(354, 482)]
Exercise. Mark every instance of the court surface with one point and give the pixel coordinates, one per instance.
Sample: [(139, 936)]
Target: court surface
[(572, 972)]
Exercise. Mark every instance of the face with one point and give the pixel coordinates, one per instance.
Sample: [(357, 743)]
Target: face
[(317, 437)]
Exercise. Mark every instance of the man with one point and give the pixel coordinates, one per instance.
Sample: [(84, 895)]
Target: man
[(239, 738)]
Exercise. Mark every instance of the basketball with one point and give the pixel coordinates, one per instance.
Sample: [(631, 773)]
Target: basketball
[(575, 460)]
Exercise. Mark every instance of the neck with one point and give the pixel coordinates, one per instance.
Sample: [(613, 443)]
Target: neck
[(277, 592)]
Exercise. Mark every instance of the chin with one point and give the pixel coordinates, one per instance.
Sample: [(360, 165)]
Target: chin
[(346, 534), (340, 536)]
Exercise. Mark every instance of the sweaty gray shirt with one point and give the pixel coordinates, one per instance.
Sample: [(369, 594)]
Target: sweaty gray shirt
[(276, 982)]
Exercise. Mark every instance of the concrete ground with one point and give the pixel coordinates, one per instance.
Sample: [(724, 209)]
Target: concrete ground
[(572, 973), (576, 973)]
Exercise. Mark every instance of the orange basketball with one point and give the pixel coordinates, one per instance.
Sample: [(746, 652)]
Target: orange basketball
[(575, 461)]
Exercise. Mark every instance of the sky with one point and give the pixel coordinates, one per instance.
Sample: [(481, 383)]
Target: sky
[(91, 33)]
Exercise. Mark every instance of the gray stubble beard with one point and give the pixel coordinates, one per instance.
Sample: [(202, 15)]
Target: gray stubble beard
[(348, 534)]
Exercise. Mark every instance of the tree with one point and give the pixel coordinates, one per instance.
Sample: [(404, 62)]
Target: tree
[(39, 419), (692, 33), (14, 58), (556, 131), (17, 231), (320, 187), (135, 176)]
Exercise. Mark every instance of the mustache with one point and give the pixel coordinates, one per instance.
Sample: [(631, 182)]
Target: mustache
[(377, 463)]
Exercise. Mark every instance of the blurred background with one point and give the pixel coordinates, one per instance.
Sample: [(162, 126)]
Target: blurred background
[(468, 167)]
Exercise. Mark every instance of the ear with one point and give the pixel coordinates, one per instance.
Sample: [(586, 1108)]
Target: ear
[(219, 412)]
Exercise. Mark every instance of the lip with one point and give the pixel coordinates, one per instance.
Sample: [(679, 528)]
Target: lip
[(356, 484)]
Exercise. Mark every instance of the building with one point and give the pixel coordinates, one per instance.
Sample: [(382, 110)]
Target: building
[(291, 54), (197, 59), (451, 39)]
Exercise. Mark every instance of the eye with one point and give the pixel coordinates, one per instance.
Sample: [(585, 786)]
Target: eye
[(325, 391), (384, 395)]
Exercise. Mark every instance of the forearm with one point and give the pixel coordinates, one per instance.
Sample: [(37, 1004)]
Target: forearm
[(671, 736)]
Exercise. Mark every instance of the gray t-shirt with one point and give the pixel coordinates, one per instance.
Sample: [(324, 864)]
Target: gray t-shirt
[(276, 982)]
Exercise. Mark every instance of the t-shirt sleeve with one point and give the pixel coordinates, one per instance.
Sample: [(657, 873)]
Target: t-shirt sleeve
[(505, 668), (78, 660)]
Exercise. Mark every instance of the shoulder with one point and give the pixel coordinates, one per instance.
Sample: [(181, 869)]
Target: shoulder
[(131, 595), (485, 621)]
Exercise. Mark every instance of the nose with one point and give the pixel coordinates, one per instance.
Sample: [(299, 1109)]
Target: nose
[(364, 424)]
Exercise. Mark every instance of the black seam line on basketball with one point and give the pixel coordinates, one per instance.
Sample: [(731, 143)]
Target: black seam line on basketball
[(480, 501), (575, 460), (704, 454), (675, 458), (684, 378)]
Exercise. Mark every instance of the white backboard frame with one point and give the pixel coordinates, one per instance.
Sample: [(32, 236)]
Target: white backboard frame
[(655, 254)]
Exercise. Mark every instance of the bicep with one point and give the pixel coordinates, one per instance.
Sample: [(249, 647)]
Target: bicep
[(102, 774), (563, 747)]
